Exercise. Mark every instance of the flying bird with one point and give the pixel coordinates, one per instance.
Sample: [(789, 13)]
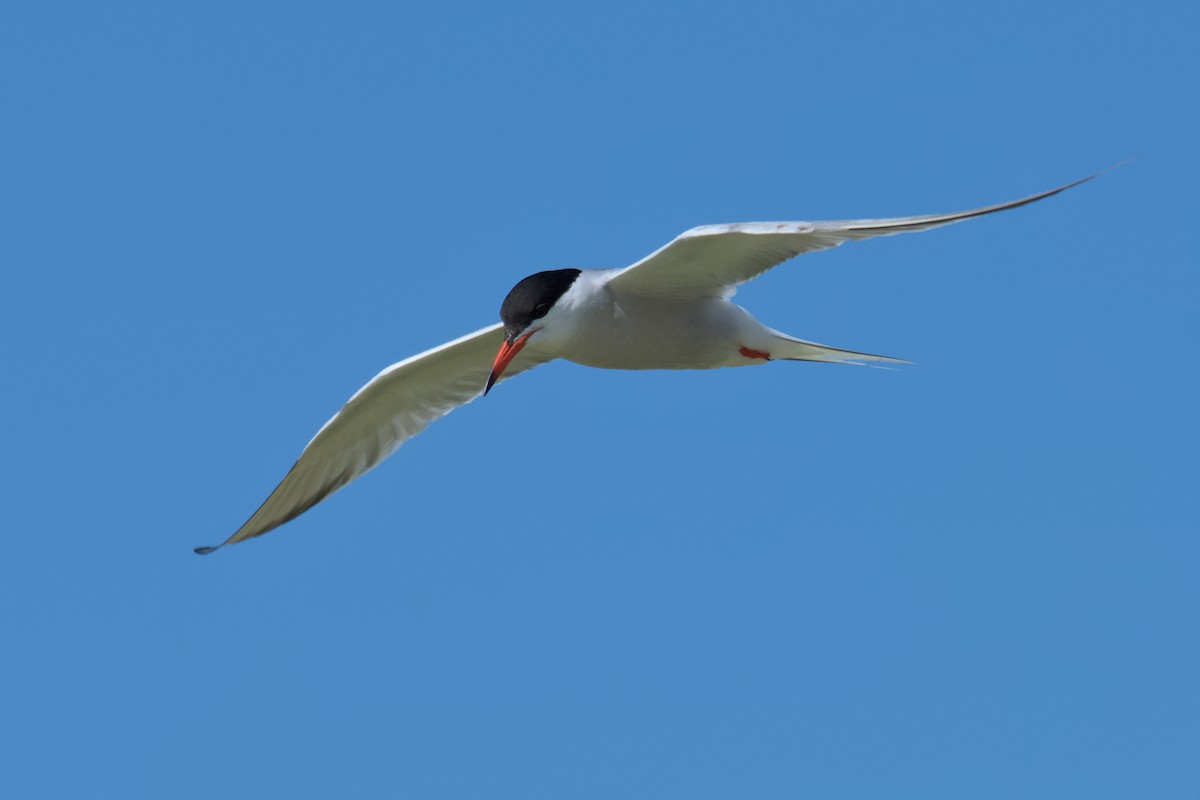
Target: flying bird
[(670, 310)]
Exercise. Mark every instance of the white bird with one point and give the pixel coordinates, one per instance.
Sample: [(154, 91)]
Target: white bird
[(671, 310)]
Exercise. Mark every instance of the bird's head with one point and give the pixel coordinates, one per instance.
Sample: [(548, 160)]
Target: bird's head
[(528, 310)]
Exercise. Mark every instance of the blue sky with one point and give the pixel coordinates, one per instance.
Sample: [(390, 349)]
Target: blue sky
[(971, 577)]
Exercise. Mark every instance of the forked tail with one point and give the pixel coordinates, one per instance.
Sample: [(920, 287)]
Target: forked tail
[(793, 349)]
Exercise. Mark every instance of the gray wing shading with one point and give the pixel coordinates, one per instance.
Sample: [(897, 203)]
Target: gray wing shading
[(395, 406), (713, 259)]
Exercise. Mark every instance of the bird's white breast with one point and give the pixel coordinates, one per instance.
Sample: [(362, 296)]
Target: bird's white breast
[(599, 327)]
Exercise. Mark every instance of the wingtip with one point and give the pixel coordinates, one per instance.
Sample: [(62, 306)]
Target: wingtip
[(203, 551), (1102, 172), (1119, 164)]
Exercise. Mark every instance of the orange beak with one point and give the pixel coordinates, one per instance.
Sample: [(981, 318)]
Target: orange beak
[(508, 351)]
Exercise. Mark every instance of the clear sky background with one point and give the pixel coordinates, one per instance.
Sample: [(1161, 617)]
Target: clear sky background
[(971, 577)]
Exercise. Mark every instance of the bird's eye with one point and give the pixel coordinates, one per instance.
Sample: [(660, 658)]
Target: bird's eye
[(540, 309)]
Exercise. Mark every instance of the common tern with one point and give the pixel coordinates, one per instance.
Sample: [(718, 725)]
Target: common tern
[(670, 310)]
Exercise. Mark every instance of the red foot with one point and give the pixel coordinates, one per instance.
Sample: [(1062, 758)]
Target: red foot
[(748, 353)]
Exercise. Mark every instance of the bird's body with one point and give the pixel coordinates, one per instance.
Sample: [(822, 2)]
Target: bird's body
[(608, 328), (671, 310)]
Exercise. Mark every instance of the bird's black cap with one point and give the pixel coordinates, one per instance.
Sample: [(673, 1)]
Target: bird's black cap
[(532, 298)]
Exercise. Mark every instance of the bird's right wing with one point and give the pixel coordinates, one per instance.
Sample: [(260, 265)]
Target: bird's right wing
[(393, 407)]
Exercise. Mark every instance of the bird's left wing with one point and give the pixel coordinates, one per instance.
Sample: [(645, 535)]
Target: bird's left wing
[(713, 259), (395, 406)]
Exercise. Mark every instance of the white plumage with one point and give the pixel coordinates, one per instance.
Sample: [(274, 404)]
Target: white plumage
[(671, 310)]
